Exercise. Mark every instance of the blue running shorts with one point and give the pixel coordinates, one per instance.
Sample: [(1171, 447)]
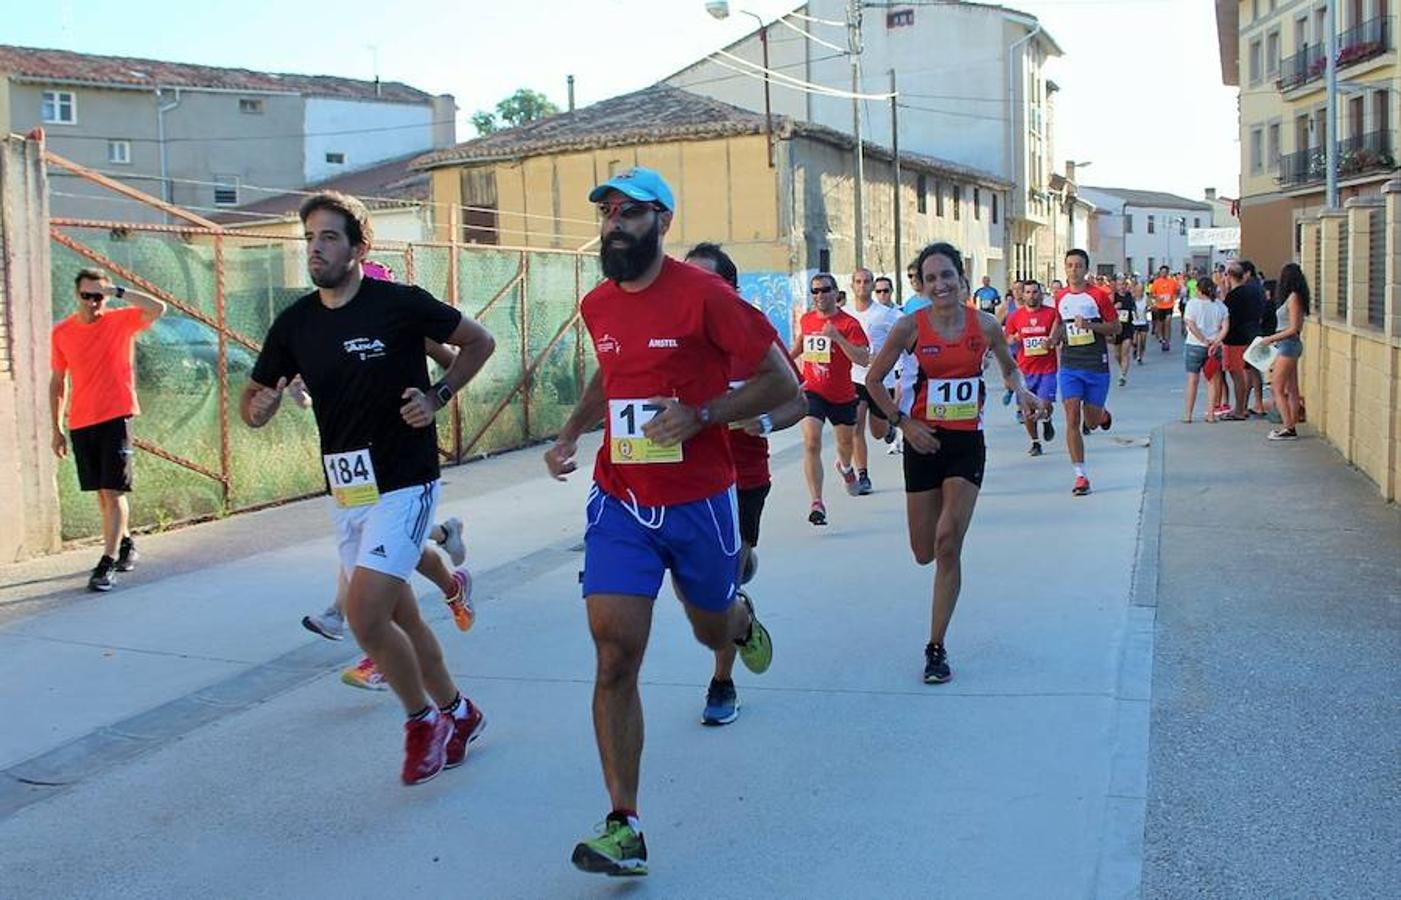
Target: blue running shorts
[(628, 548), (1091, 388)]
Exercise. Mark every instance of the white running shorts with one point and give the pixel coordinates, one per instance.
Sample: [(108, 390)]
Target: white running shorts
[(386, 536)]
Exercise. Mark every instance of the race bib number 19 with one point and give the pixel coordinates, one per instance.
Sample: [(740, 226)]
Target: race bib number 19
[(952, 399), (352, 478), (817, 348), (627, 444)]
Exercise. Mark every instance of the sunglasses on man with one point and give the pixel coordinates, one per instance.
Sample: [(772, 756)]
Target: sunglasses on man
[(94, 297), (625, 209)]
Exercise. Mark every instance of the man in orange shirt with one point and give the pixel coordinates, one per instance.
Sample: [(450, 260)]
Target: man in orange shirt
[(96, 347), (1164, 291)]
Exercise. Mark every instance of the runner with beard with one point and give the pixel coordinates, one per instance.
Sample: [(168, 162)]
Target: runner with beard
[(358, 345), (668, 336)]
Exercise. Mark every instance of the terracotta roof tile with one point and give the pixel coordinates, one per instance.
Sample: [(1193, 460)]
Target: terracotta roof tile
[(67, 66)]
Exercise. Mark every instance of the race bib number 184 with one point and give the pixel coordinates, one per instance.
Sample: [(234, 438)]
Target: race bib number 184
[(627, 445), (352, 478)]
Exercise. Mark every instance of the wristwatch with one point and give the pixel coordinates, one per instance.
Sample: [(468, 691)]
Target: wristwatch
[(899, 417), (703, 414), (765, 423), (442, 394)]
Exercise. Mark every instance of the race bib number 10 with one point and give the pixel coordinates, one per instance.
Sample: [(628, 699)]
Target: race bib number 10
[(817, 348), (1076, 336), (352, 478), (952, 399), (627, 444)]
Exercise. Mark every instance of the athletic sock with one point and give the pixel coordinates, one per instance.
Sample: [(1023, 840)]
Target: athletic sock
[(861, 473), (1080, 470), (629, 816), (427, 714), (452, 708)]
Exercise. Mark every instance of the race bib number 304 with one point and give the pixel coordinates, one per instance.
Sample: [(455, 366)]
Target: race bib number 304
[(953, 399), (627, 445), (1035, 346), (817, 348), (352, 478)]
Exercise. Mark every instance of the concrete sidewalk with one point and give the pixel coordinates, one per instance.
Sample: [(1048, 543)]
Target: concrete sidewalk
[(1276, 725)]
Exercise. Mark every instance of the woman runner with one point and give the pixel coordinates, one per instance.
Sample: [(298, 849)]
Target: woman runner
[(941, 416)]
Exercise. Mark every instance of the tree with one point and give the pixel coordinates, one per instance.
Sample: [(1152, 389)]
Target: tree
[(521, 107)]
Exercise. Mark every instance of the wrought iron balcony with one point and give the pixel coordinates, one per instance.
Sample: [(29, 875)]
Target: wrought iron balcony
[(1358, 44), (1358, 155)]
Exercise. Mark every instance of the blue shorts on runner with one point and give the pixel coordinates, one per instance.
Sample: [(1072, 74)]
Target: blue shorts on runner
[(1088, 387), (628, 549), (1042, 385)]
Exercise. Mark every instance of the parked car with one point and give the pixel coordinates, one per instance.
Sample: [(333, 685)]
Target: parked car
[(181, 354)]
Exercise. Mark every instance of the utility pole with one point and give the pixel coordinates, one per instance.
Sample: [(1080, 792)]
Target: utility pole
[(853, 30), (1331, 109), (895, 150)]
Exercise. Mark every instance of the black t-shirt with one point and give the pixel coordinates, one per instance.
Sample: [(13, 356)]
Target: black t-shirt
[(356, 362), (1269, 319), (1245, 305)]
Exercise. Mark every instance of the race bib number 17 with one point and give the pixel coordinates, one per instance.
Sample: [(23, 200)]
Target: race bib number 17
[(1076, 336), (627, 445), (352, 478)]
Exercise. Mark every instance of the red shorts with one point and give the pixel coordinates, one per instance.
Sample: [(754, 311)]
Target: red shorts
[(1233, 359)]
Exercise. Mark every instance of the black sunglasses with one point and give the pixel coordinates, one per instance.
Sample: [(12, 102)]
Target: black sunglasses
[(88, 295), (821, 290)]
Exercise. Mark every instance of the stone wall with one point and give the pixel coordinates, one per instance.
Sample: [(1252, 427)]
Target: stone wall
[(29, 510), (1351, 370)]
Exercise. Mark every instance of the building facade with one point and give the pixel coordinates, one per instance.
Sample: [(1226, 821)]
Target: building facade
[(991, 59), (1274, 51), (202, 137), (1135, 232), (529, 186)]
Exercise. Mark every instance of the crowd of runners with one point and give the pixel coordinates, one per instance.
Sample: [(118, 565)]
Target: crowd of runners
[(691, 381)]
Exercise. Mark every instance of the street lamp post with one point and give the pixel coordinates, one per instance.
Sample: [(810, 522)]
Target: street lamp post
[(721, 10), (853, 31)]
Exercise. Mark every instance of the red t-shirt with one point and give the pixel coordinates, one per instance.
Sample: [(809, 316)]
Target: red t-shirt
[(1031, 329), (100, 358), (680, 337), (826, 367), (751, 452)]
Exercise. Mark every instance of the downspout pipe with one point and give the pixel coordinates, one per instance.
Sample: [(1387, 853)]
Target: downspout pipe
[(1012, 141), (161, 110)]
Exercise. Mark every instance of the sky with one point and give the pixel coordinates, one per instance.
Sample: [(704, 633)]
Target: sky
[(1141, 94)]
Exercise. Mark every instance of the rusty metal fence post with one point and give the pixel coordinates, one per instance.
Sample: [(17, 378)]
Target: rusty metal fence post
[(221, 316)]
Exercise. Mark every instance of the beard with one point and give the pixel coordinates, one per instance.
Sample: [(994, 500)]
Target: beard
[(628, 261), (331, 275)]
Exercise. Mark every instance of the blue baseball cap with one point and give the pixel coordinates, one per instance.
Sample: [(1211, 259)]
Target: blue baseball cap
[(640, 184)]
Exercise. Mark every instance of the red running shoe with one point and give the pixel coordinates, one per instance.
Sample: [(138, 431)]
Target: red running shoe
[(425, 748), (1082, 486), (464, 731)]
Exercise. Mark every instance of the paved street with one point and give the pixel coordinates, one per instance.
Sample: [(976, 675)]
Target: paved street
[(183, 736)]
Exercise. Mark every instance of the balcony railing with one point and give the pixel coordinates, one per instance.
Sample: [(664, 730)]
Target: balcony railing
[(1357, 155), (1302, 67), (1357, 44), (1362, 42)]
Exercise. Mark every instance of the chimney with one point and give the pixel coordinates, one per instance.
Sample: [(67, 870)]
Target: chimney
[(1211, 193), (444, 121), (571, 93), (1070, 170)]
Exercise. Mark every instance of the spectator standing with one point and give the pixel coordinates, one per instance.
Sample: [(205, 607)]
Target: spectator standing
[(95, 348), (1289, 346), (1243, 302), (1206, 321)]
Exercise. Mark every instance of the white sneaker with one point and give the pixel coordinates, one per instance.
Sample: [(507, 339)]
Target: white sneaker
[(329, 625), (452, 543), (897, 446)]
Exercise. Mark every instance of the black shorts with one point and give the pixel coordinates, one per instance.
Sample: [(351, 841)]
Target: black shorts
[(1161, 315), (1140, 327), (751, 509), (864, 396), (961, 454), (836, 413), (103, 455)]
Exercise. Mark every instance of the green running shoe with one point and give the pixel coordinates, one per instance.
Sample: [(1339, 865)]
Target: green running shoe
[(756, 651), (616, 850)]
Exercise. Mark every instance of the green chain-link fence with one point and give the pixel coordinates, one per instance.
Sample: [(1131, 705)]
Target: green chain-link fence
[(527, 299)]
